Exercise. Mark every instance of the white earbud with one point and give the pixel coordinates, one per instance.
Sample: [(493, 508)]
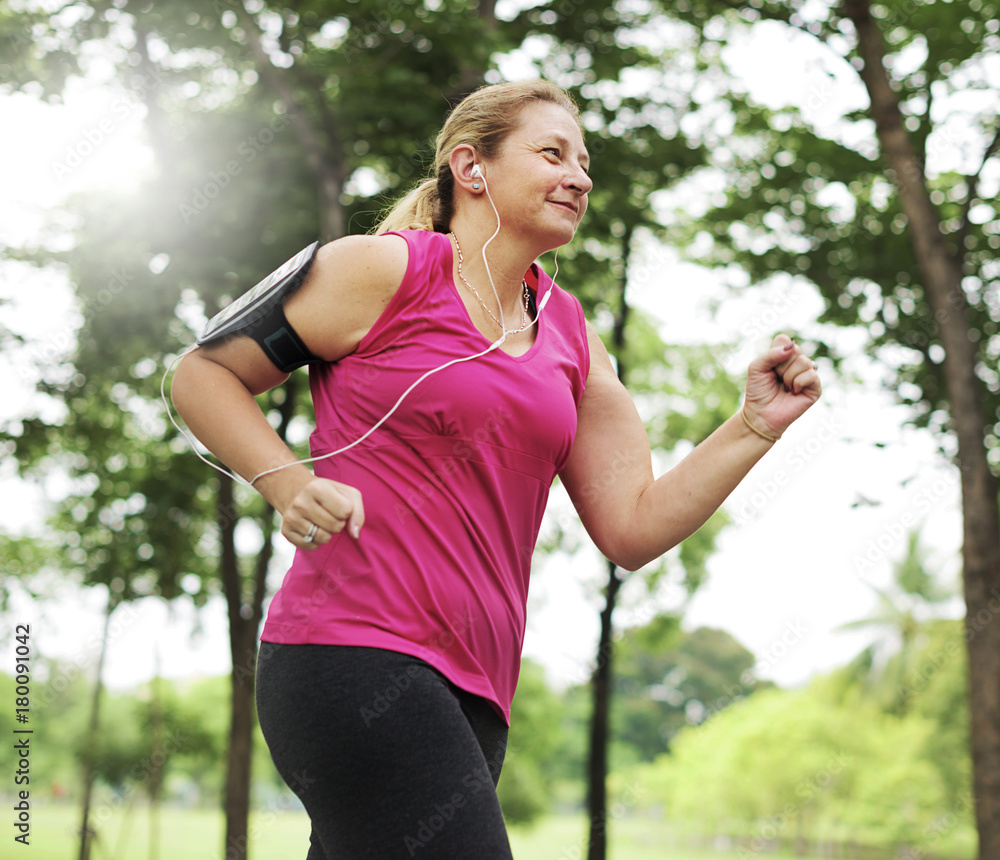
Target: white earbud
[(477, 170)]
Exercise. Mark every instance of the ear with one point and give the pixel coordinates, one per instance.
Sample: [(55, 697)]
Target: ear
[(462, 160)]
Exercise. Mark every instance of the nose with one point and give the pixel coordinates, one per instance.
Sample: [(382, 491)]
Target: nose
[(581, 182)]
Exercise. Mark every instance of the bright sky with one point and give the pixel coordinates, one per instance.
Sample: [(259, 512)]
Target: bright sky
[(821, 517)]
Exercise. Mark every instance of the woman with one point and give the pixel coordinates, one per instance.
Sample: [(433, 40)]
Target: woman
[(390, 653)]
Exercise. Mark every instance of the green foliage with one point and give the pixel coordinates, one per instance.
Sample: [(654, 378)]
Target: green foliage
[(786, 764), (821, 204), (43, 73), (765, 763), (936, 687), (570, 760), (904, 610), (235, 184), (191, 721), (664, 679), (28, 559), (522, 793), (177, 736), (525, 786), (667, 679), (56, 718), (265, 125)]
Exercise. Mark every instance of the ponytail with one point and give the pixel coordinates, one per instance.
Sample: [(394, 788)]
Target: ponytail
[(429, 206), (415, 211)]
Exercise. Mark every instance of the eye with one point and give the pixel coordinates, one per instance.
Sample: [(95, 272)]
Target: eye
[(552, 149)]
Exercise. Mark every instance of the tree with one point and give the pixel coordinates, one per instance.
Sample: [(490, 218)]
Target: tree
[(905, 608), (641, 131), (936, 687), (791, 767), (218, 86), (669, 679), (532, 747), (897, 239), (177, 518)]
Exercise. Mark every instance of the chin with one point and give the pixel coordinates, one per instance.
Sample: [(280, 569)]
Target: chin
[(559, 235), (548, 236), (552, 245)]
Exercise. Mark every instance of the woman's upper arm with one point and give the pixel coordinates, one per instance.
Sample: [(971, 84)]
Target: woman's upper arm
[(610, 464), (351, 282)]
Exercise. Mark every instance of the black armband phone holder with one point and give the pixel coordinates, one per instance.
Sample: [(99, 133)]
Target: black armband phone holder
[(259, 314)]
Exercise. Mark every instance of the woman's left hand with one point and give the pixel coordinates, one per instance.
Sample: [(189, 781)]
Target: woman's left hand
[(781, 385)]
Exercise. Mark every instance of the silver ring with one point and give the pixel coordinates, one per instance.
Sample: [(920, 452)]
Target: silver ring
[(311, 533)]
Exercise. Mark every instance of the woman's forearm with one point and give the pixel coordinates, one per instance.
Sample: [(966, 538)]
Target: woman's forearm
[(223, 414), (679, 502)]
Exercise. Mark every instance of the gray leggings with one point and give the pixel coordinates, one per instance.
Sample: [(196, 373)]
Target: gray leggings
[(389, 758)]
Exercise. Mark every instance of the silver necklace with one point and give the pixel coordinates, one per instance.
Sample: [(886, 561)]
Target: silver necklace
[(525, 322)]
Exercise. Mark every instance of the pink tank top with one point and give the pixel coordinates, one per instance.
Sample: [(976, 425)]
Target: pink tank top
[(454, 483)]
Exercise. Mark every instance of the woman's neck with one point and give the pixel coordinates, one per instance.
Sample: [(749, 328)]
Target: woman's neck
[(505, 270), (508, 258)]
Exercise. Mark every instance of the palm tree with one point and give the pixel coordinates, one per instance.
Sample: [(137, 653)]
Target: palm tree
[(902, 613)]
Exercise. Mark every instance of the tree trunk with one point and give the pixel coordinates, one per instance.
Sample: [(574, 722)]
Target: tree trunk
[(241, 641), (87, 834), (245, 615), (324, 156), (244, 622), (157, 759), (238, 763), (600, 726), (597, 771), (942, 276)]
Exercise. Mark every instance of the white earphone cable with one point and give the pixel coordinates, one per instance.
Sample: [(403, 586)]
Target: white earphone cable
[(489, 274), (191, 440), (495, 345)]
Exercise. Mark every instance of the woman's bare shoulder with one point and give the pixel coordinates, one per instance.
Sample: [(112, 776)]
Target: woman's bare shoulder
[(350, 284)]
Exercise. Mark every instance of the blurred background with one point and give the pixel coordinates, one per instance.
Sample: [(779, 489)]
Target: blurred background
[(807, 676)]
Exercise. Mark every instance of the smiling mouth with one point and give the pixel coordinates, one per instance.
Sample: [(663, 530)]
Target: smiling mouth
[(568, 206)]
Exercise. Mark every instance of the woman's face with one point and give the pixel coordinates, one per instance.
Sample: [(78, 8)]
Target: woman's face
[(539, 181)]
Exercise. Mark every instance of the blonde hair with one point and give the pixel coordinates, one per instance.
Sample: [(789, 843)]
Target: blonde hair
[(483, 120)]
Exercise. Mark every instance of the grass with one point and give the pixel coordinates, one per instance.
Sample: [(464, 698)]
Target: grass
[(196, 834)]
